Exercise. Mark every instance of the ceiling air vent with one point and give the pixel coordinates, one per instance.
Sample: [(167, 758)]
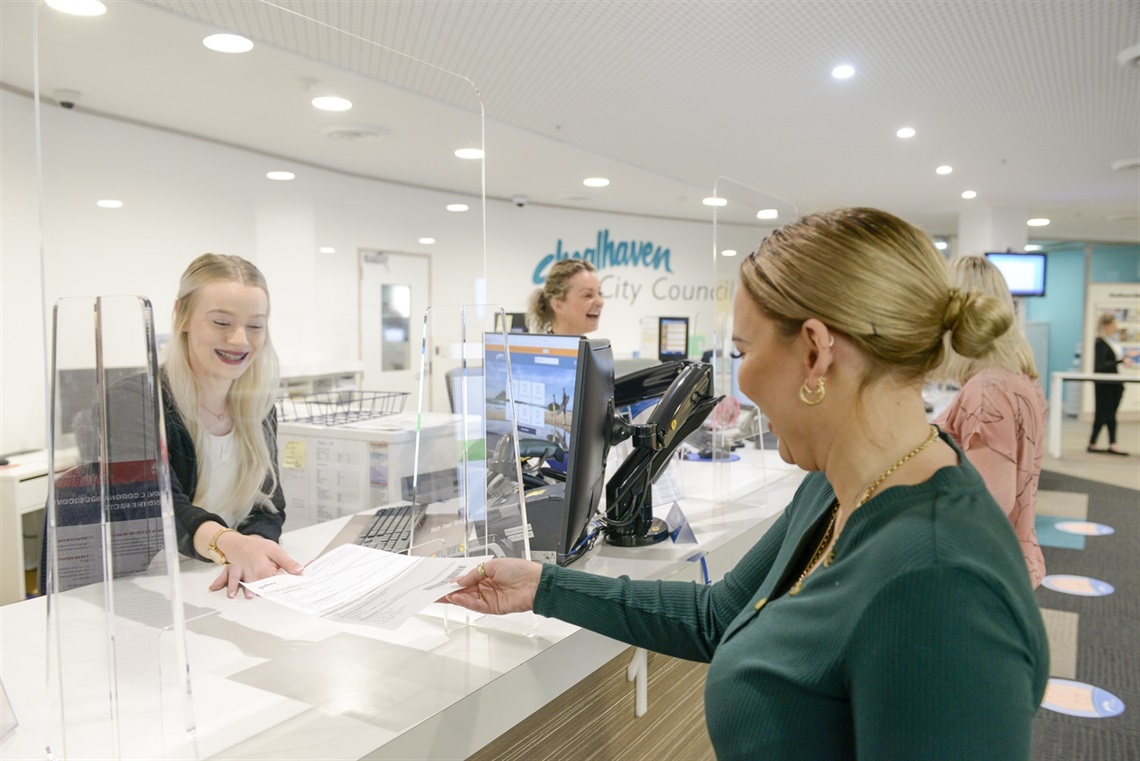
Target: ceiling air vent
[(354, 134)]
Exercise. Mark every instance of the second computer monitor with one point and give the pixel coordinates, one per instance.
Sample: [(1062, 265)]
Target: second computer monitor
[(672, 338)]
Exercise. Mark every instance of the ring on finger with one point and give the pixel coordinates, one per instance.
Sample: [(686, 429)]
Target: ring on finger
[(482, 571)]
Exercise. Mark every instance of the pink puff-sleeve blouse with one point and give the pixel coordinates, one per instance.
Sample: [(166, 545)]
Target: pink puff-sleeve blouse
[(1005, 413)]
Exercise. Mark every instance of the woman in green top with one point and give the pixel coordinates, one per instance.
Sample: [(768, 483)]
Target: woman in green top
[(886, 614)]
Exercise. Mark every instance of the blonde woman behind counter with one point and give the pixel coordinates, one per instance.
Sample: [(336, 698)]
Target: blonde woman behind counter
[(219, 385), (569, 303)]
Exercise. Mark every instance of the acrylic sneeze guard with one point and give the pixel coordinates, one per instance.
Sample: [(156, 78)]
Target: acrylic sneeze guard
[(742, 216), (184, 191), (116, 643)]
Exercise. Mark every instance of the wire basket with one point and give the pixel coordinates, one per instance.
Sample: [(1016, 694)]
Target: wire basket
[(340, 407)]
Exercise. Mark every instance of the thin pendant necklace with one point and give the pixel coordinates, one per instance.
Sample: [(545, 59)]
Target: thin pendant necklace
[(867, 494), (220, 417)]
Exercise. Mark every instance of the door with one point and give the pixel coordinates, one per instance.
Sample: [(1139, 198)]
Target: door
[(394, 292)]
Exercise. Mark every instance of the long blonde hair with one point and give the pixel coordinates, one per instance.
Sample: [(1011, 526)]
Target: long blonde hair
[(539, 312), (877, 280), (250, 398), (1010, 351)]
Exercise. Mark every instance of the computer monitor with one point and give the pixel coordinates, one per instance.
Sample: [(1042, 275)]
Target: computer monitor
[(1023, 273), (562, 387), (516, 322), (672, 338)]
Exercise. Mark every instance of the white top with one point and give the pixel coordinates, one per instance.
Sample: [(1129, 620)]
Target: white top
[(220, 462)]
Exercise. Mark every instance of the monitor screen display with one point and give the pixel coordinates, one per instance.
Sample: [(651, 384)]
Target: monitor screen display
[(562, 387), (1023, 273), (543, 371), (673, 338)]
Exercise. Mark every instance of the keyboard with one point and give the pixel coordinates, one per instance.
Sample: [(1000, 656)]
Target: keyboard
[(390, 529)]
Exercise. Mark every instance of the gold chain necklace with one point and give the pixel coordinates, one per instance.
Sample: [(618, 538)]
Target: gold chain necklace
[(867, 494)]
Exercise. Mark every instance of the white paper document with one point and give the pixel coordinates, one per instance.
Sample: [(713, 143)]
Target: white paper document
[(361, 585)]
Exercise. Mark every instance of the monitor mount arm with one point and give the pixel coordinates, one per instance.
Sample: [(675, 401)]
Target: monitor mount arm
[(686, 392)]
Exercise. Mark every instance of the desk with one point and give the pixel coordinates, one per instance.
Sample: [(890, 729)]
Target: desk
[(23, 489), (1057, 379), (271, 683)]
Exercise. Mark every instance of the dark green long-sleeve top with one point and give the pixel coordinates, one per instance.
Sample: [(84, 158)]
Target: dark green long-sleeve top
[(922, 639)]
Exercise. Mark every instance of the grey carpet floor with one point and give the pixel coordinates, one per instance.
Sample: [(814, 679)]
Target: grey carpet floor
[(1108, 628)]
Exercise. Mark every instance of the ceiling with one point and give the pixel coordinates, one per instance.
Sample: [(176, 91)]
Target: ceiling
[(669, 100)]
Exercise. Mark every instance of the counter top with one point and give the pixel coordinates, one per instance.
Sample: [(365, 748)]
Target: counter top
[(270, 682)]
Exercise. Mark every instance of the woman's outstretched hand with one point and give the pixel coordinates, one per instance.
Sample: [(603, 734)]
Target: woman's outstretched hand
[(502, 585), (251, 558)]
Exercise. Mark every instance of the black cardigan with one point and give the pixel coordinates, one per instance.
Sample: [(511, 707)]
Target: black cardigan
[(128, 431), (1104, 358)]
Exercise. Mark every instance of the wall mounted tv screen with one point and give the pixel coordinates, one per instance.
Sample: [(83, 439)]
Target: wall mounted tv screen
[(1023, 273)]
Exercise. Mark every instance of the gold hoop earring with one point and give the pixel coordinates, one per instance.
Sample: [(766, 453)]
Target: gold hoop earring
[(812, 397)]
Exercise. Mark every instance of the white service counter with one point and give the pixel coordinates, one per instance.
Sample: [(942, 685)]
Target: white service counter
[(271, 683)]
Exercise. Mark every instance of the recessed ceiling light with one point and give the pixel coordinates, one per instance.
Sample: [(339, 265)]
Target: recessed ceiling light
[(595, 182), (78, 7), (427, 241), (843, 71), (280, 176), (469, 153), (767, 214), (109, 203), (728, 252), (1032, 247), (906, 132), (332, 103), (457, 207), (968, 194), (714, 201), (326, 250), (1037, 222), (944, 169), (228, 43), (940, 245)]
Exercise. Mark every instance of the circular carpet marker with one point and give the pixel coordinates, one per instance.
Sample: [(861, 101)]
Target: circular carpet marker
[(1085, 528), (1078, 585), (1080, 699)]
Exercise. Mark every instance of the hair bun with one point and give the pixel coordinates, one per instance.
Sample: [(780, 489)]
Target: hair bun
[(956, 306)]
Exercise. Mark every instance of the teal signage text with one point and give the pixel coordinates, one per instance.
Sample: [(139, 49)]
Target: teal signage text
[(608, 253)]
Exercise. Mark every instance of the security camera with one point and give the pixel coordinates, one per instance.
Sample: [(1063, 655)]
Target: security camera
[(67, 98), (520, 200)]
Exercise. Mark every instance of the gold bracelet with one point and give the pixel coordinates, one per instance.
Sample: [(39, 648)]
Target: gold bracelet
[(212, 550)]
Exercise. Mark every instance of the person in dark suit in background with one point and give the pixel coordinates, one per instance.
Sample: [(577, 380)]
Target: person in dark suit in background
[(1107, 357)]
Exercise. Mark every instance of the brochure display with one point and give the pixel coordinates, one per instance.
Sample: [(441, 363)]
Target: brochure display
[(116, 635)]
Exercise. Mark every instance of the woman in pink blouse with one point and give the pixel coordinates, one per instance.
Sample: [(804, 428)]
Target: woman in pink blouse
[(998, 418)]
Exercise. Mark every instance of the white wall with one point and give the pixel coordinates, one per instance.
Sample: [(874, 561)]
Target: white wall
[(185, 196)]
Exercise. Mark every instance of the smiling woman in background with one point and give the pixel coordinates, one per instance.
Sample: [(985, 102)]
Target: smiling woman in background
[(569, 303), (219, 385)]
